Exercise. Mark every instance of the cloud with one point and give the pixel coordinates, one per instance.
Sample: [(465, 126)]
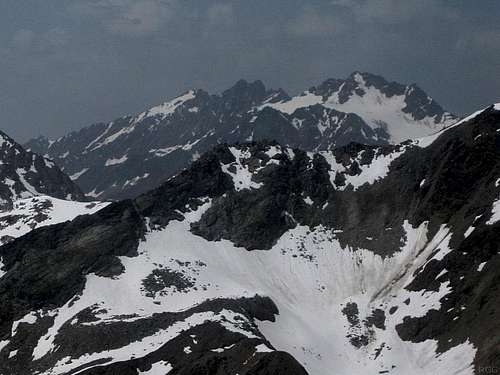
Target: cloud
[(127, 17), (479, 40), (392, 12), (140, 18), (221, 14), (23, 39), (54, 38), (312, 23)]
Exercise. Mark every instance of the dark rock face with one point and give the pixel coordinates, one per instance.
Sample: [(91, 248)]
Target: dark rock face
[(134, 153), (24, 174), (253, 195)]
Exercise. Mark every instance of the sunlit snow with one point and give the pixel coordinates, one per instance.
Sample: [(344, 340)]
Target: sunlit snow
[(309, 291)]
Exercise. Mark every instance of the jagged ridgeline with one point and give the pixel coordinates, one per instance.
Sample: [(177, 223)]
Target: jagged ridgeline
[(265, 259), (132, 154)]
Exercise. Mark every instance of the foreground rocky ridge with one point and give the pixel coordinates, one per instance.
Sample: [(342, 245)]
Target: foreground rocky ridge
[(265, 259), (128, 156)]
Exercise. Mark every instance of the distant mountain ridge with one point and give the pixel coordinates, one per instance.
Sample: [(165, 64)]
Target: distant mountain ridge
[(129, 155)]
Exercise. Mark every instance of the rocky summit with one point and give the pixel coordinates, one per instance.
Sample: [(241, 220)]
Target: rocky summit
[(24, 174), (262, 258), (134, 153)]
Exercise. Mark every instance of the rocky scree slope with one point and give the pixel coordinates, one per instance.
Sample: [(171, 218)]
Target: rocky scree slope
[(263, 259), (132, 154)]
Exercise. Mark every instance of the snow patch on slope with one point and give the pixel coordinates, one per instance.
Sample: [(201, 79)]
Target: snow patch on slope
[(77, 175), (116, 161), (495, 213), (370, 173), (158, 368), (307, 99), (167, 108), (2, 272), (376, 170), (240, 174), (29, 189)]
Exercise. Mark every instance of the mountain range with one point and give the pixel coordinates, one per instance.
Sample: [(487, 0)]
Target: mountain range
[(131, 154), (263, 258)]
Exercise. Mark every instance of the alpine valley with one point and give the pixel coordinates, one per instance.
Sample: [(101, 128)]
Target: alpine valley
[(134, 153), (305, 255)]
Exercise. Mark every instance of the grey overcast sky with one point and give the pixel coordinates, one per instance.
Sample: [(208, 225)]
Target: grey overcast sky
[(65, 64)]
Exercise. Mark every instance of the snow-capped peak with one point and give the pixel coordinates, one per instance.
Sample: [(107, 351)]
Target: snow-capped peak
[(403, 112)]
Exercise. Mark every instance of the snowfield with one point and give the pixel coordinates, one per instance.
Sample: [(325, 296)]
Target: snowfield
[(309, 276)]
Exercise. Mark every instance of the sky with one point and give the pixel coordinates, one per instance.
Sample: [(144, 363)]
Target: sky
[(65, 64)]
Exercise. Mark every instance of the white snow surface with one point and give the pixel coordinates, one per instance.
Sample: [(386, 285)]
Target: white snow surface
[(2, 272), (242, 177), (77, 175), (158, 368), (167, 108), (495, 212), (310, 293), (114, 161), (370, 173), (307, 99), (469, 231), (135, 180), (374, 171), (58, 211), (29, 189)]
